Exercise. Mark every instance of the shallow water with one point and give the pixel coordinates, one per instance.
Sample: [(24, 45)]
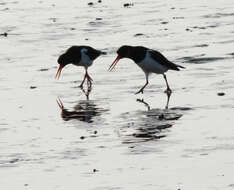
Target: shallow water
[(52, 137)]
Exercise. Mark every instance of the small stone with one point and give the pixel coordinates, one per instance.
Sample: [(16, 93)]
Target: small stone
[(43, 69), (82, 137), (33, 87), (95, 170), (4, 34), (90, 3), (99, 1), (164, 22), (220, 93), (95, 132), (138, 34), (127, 4)]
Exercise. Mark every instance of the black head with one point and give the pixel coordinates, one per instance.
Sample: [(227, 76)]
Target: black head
[(124, 51), (72, 55), (64, 59)]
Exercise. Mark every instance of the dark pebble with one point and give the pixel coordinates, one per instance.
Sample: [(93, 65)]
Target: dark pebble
[(164, 22), (14, 161), (98, 18), (95, 170), (82, 137), (33, 87), (221, 94), (95, 132), (4, 34), (90, 3), (86, 39), (99, 1), (25, 184), (138, 34), (127, 4), (43, 69)]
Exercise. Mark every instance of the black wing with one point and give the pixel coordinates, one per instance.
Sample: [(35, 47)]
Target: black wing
[(163, 60)]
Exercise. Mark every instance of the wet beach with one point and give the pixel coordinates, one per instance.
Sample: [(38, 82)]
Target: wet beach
[(53, 135)]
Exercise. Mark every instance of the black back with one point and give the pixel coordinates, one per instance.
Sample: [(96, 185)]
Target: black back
[(73, 54), (138, 53)]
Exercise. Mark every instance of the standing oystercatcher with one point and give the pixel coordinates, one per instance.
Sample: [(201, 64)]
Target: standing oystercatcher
[(79, 56), (150, 61)]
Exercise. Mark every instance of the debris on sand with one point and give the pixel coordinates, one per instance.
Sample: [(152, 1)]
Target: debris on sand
[(95, 170), (128, 4), (138, 34), (4, 34), (220, 93)]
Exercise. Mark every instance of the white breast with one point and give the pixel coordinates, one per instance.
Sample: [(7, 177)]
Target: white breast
[(150, 65)]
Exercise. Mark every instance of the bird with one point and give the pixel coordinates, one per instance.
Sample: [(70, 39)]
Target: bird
[(79, 56), (149, 60)]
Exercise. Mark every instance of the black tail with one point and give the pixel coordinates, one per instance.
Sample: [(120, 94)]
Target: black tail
[(175, 67), (180, 66)]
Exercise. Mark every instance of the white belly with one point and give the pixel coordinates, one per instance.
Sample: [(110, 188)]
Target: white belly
[(149, 65)]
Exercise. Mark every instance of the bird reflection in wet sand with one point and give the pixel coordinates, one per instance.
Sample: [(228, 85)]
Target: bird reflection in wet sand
[(148, 106), (83, 111), (86, 92), (152, 124)]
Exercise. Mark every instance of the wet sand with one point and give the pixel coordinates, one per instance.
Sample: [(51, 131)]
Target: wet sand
[(52, 137)]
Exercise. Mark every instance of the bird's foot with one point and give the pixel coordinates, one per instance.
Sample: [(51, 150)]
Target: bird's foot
[(168, 91), (140, 91)]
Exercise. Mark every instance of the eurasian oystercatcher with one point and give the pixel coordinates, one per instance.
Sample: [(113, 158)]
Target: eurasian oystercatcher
[(79, 56), (149, 60)]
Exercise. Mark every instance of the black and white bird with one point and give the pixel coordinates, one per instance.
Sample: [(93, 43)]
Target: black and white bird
[(150, 61), (79, 56)]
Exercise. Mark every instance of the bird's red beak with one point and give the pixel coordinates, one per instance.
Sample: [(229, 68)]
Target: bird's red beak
[(59, 71), (114, 63)]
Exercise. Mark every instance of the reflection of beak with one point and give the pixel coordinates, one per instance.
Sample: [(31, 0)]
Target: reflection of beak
[(59, 71), (60, 104), (114, 63)]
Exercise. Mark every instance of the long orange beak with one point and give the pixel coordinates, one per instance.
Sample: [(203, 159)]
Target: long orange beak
[(59, 71), (114, 63)]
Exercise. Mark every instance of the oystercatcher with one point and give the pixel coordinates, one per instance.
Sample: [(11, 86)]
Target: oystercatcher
[(149, 60), (79, 56)]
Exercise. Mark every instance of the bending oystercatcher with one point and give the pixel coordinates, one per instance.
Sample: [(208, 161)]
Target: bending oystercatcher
[(79, 56), (150, 61)]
